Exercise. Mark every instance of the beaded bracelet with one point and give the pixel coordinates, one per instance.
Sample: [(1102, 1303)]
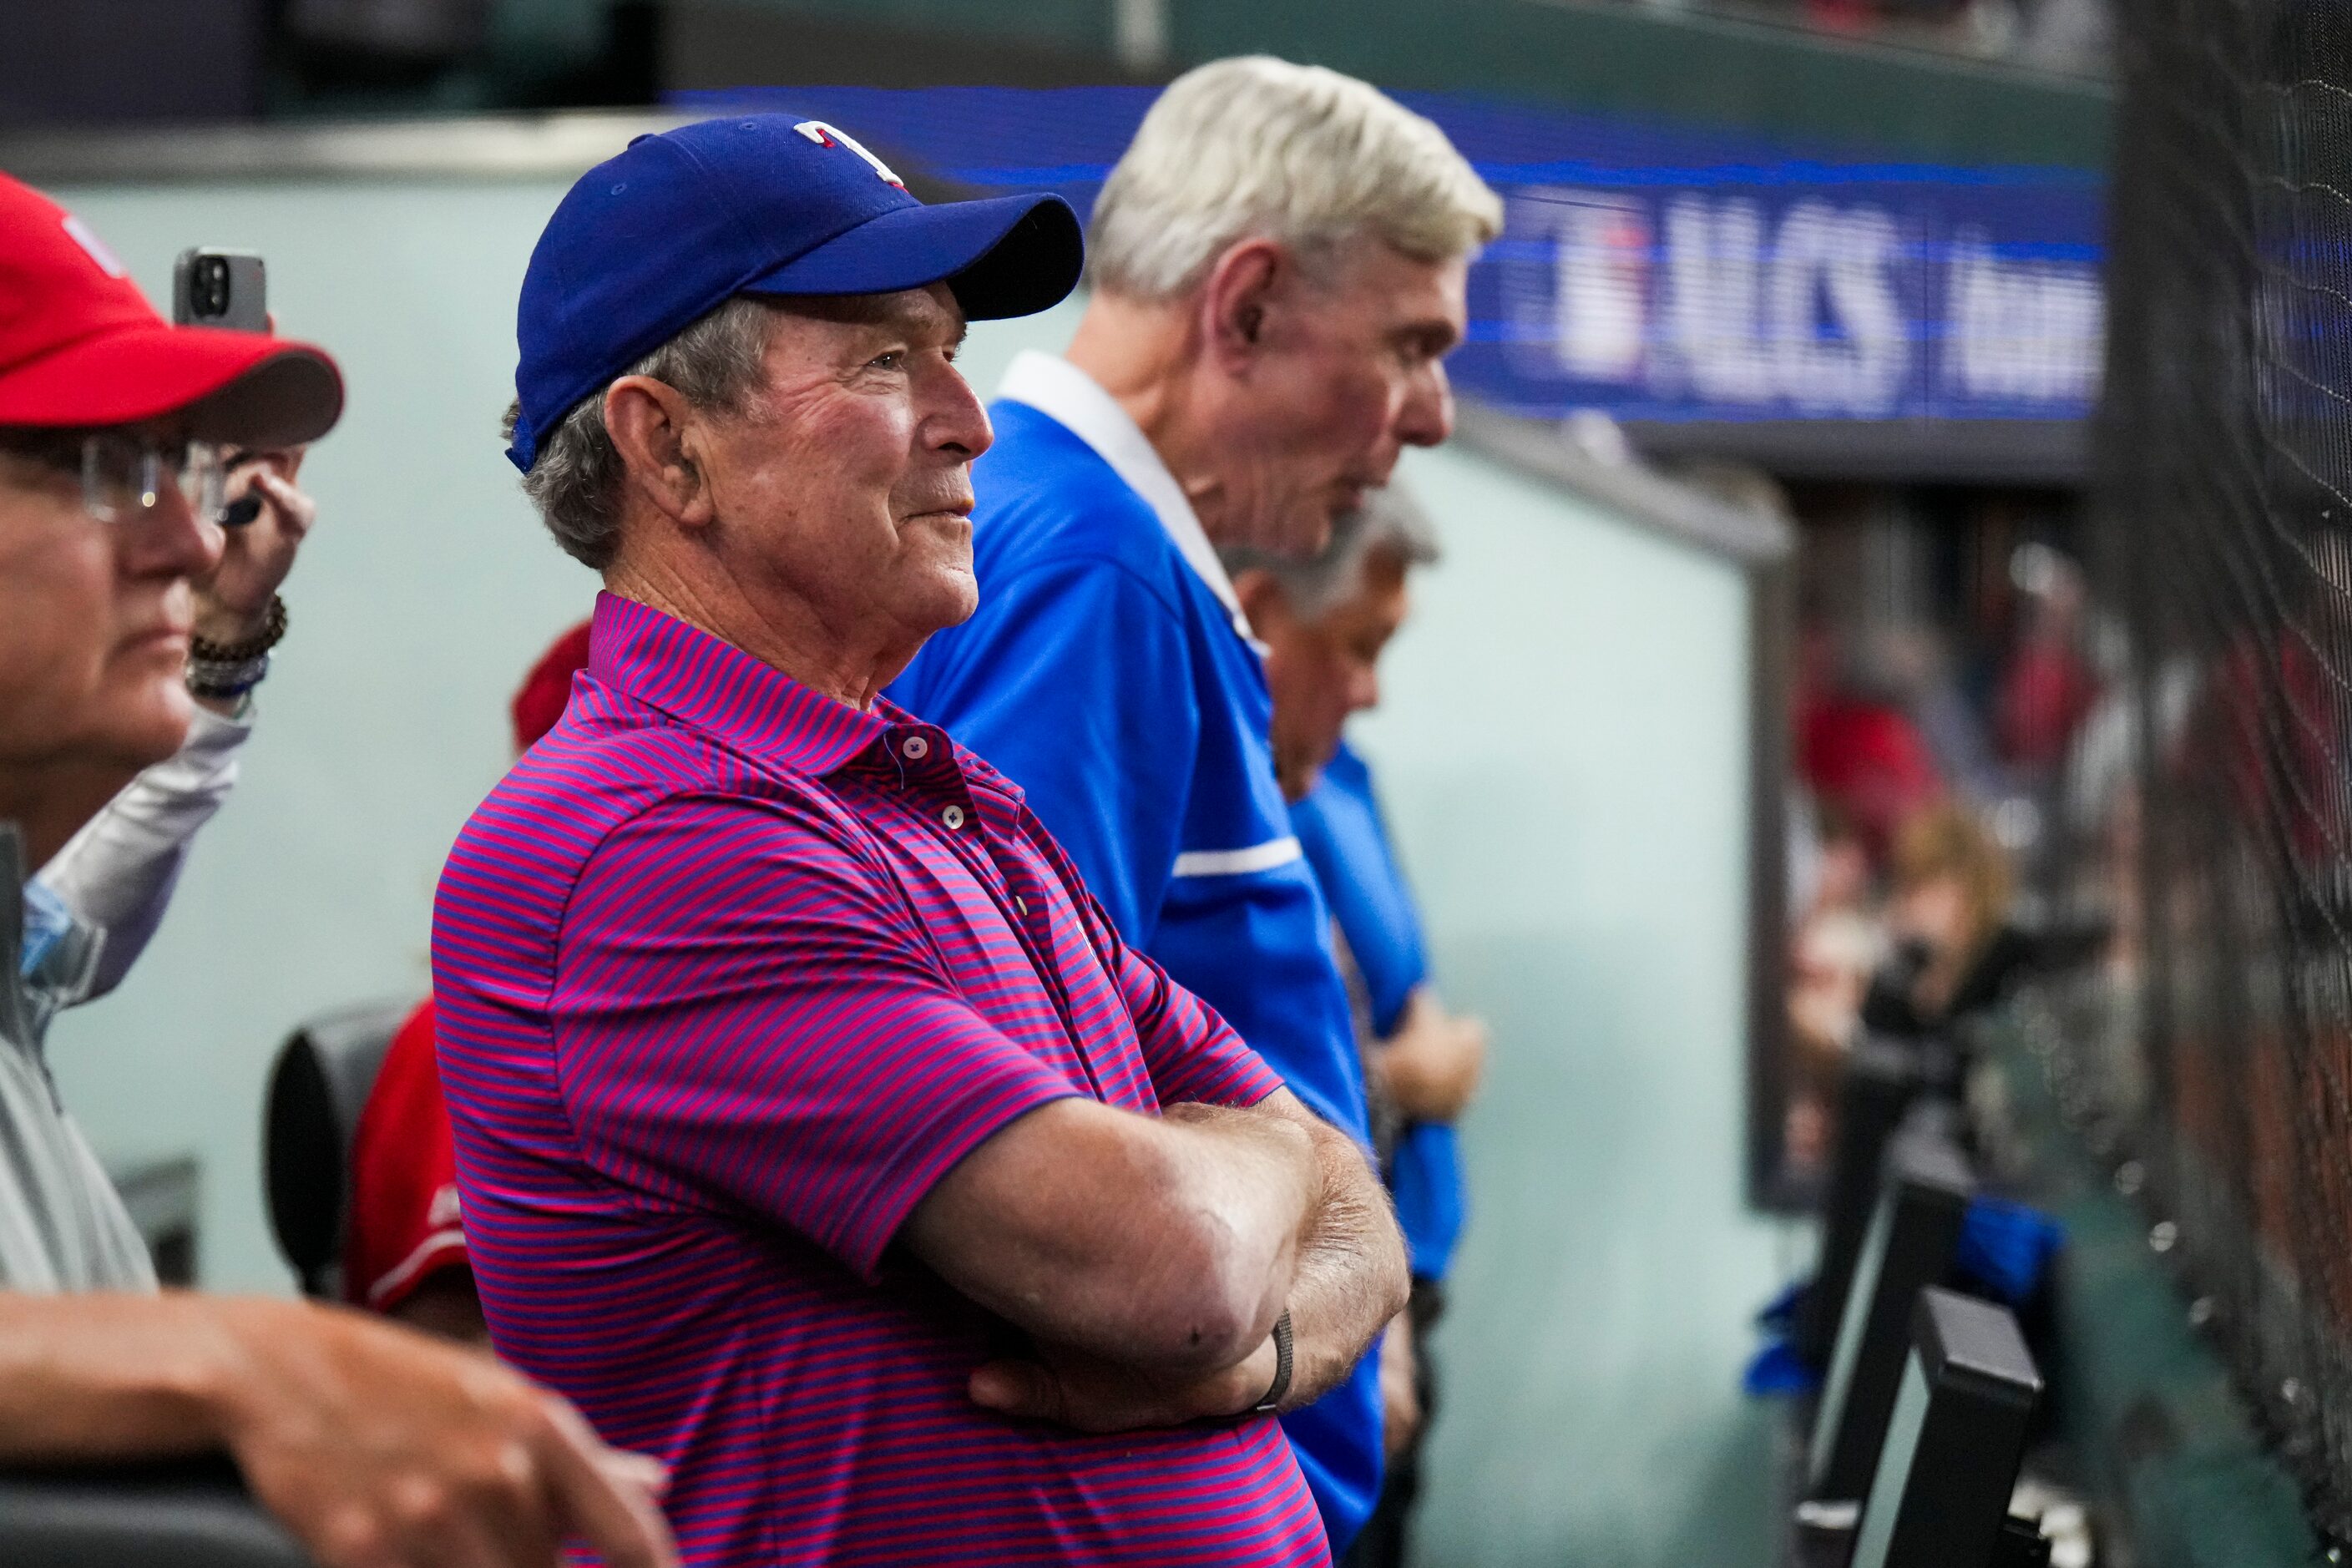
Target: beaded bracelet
[(223, 681), (223, 671), (272, 633)]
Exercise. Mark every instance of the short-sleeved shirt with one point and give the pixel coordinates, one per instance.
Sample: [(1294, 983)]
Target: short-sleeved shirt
[(406, 1219), (727, 975), (1346, 839), (62, 1224), (1111, 673)]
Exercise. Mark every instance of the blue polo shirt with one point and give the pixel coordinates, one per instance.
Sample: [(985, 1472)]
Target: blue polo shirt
[(1347, 843), (1109, 673)]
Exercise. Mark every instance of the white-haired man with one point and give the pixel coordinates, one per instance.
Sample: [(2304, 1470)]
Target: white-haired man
[(1278, 266)]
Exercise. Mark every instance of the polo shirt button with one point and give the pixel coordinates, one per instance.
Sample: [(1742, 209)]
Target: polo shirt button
[(1020, 904), (916, 748), (952, 816)]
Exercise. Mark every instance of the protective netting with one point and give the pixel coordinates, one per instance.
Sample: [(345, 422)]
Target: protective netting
[(2214, 820)]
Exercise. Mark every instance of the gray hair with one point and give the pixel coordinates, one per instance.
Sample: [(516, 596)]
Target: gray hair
[(1258, 147), (1391, 523), (715, 364)]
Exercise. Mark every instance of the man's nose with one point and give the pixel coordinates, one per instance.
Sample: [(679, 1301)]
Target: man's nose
[(1427, 417), (1364, 691), (956, 420), (169, 540)]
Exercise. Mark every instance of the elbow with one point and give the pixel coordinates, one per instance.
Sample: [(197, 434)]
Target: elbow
[(1218, 1293), (1194, 1253), (1234, 1293)]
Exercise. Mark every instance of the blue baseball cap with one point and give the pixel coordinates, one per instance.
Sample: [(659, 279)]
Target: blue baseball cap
[(646, 243)]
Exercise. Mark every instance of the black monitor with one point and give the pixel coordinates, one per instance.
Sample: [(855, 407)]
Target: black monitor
[(1910, 1246), (1940, 1496), (1881, 1078)]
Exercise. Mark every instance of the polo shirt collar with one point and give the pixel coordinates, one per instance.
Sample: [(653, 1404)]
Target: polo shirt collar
[(712, 685), (1075, 401)]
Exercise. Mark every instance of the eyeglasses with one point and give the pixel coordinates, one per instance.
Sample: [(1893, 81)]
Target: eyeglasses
[(124, 476)]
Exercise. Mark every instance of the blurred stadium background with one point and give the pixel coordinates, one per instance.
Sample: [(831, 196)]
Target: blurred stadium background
[(1809, 483)]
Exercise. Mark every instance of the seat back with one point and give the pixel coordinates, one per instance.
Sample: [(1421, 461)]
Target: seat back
[(317, 1089), (188, 1515)]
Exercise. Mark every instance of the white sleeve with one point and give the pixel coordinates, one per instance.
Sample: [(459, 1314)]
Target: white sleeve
[(116, 874)]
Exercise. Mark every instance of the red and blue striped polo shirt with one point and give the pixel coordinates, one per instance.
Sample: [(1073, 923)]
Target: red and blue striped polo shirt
[(729, 974)]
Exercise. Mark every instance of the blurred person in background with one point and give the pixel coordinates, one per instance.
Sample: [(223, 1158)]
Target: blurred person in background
[(1324, 621), (815, 1129), (1953, 950), (1858, 752), (2047, 687), (1911, 664), (1838, 942), (405, 1249), (1278, 265), (374, 1447)]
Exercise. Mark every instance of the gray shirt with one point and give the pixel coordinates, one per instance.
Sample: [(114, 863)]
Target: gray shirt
[(62, 1226)]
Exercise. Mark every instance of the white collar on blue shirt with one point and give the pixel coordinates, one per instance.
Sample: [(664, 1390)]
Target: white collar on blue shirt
[(1075, 401)]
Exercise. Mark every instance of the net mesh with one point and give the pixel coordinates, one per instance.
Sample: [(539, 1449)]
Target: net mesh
[(2212, 821)]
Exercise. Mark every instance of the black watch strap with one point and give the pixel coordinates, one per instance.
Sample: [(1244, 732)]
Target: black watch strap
[(1273, 1400)]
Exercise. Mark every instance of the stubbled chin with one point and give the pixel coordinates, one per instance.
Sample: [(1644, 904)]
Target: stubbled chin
[(955, 595)]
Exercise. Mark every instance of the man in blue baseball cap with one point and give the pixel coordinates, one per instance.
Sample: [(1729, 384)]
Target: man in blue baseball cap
[(817, 1132)]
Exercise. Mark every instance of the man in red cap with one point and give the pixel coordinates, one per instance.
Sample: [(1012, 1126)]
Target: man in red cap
[(373, 1445)]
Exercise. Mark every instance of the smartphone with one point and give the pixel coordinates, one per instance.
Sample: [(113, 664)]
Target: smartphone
[(220, 288)]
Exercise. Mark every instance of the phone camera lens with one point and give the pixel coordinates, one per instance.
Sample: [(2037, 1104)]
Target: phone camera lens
[(212, 286)]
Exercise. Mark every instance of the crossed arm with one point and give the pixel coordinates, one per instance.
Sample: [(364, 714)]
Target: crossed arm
[(1149, 1258)]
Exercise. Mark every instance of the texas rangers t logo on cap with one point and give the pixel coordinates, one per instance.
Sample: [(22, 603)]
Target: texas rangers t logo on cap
[(825, 136)]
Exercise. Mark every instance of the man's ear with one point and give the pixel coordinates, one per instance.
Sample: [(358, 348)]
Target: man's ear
[(659, 438), (1236, 299)]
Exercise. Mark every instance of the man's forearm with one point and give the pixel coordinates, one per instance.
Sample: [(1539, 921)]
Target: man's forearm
[(1165, 1244), (1351, 1276), (106, 1375), (117, 870), (341, 1424), (1341, 1274)]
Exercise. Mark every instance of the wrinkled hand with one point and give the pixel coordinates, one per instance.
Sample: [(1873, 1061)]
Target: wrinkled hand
[(381, 1448), (233, 604), (1399, 1387), (1429, 1070), (1071, 1388)]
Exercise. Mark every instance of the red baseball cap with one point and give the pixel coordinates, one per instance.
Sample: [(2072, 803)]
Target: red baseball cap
[(547, 689), (81, 346)]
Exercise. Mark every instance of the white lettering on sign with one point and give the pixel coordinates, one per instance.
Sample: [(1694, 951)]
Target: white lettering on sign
[(826, 135), (1715, 261), (1838, 338), (1713, 298), (1600, 295), (2028, 331)]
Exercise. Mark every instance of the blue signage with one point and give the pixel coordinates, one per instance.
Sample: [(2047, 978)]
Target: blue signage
[(1656, 273)]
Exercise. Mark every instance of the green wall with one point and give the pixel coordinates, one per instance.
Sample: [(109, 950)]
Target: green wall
[(1670, 61), (1563, 748), (1562, 745)]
